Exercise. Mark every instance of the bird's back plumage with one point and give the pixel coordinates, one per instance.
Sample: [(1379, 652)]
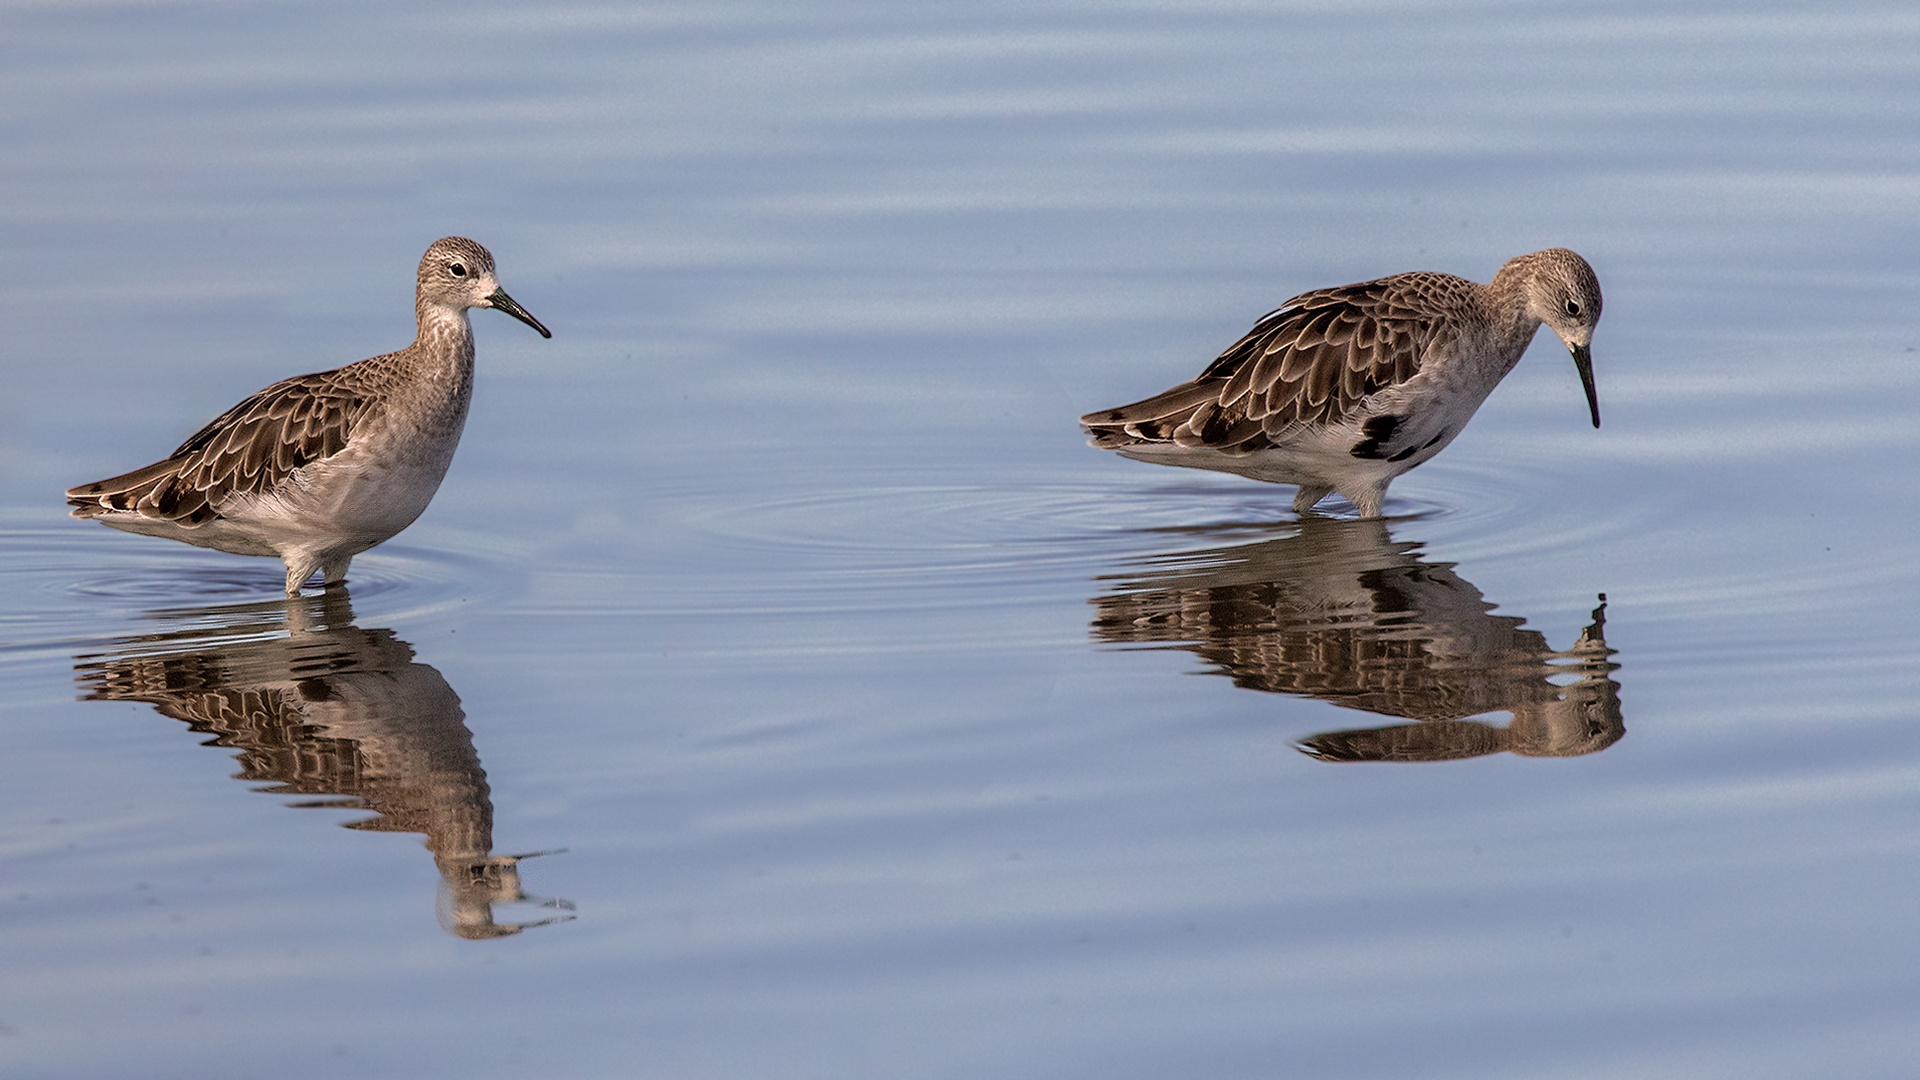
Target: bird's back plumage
[(1313, 361), (251, 448)]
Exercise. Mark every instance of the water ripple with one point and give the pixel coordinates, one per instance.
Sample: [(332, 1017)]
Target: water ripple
[(945, 525), (63, 583)]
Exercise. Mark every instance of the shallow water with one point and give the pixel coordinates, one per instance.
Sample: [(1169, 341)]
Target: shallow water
[(777, 686)]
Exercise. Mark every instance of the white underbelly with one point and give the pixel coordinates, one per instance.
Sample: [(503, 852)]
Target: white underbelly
[(348, 502)]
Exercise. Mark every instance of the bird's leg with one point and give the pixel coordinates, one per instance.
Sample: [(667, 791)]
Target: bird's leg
[(1308, 496), (334, 571), (299, 569), (1368, 500)]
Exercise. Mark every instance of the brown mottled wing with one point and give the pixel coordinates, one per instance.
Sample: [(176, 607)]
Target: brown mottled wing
[(1313, 361), (251, 447)]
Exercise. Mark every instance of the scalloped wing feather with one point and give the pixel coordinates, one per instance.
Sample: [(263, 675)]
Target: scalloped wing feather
[(1312, 361), (249, 449)]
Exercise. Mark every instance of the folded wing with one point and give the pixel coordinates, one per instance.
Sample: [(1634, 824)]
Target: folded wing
[(1311, 362), (249, 449)]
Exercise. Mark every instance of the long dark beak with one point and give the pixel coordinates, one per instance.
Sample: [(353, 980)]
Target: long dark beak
[(499, 299), (1582, 362)]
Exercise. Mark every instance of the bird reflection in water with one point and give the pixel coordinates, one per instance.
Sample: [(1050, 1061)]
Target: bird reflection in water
[(1342, 613), (320, 707)]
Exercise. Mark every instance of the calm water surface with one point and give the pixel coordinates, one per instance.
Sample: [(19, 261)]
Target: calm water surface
[(777, 686)]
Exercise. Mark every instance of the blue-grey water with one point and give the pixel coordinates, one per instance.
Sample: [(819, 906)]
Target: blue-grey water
[(778, 686)]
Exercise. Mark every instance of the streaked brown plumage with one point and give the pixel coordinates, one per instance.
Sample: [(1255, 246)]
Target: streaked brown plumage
[(1343, 389), (315, 469)]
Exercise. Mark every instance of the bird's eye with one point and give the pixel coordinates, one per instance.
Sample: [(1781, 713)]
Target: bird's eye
[(1573, 308), (461, 271)]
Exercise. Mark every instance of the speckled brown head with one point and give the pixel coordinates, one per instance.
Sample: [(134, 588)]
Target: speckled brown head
[(1563, 292), (457, 274)]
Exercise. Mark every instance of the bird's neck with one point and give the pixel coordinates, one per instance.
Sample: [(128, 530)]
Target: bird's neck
[(444, 334), (1508, 300)]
